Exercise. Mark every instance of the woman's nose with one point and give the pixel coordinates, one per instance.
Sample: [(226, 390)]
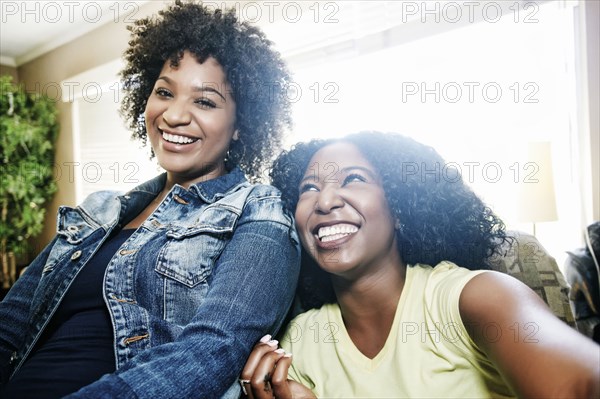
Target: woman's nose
[(177, 113), (328, 200)]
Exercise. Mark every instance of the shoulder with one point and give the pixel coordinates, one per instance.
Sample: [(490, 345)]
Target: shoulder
[(103, 205), (437, 291), (299, 329), (499, 300), (446, 278), (98, 209), (312, 315), (263, 203), (492, 293), (263, 193), (99, 199)]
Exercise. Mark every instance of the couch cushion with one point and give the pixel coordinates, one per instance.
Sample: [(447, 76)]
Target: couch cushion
[(528, 261)]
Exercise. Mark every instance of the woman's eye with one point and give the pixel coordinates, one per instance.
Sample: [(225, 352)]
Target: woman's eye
[(205, 103), (353, 178), (308, 187), (162, 92)]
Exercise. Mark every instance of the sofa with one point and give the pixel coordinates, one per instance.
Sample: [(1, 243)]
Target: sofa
[(524, 258)]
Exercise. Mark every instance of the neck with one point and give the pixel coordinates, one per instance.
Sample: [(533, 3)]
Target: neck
[(371, 296), (368, 306)]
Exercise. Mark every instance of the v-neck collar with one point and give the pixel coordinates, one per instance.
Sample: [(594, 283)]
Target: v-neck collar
[(346, 343)]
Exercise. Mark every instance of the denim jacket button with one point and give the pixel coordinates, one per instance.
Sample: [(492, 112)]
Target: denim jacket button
[(76, 255), (180, 200)]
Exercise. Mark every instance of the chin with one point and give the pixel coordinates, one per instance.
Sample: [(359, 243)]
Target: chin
[(336, 267)]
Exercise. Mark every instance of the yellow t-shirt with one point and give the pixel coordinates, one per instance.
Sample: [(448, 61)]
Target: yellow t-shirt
[(428, 353)]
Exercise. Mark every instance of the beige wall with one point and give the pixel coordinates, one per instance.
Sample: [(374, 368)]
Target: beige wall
[(8, 70), (102, 45)]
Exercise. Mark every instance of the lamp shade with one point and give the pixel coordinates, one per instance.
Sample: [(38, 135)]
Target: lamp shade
[(537, 200)]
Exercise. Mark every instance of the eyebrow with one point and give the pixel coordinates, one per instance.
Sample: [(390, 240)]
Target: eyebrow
[(204, 88), (345, 170)]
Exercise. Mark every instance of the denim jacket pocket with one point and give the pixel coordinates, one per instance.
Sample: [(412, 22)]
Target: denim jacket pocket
[(190, 252), (73, 227), (186, 261)]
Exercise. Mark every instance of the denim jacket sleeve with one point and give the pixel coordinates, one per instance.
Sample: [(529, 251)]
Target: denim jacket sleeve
[(253, 284), (14, 311)]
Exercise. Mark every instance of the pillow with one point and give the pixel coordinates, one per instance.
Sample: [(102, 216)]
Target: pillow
[(527, 260)]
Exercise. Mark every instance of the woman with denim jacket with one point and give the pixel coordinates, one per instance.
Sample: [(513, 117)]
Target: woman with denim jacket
[(153, 294)]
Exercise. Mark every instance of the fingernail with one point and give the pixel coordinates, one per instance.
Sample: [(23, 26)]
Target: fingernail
[(280, 351), (265, 339), (287, 355), (273, 342)]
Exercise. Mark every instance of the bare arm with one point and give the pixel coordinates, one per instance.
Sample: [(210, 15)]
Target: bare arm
[(536, 353)]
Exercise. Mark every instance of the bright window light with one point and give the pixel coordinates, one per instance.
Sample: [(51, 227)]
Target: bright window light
[(478, 93)]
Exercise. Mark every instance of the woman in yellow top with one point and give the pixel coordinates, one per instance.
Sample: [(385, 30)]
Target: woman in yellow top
[(384, 222)]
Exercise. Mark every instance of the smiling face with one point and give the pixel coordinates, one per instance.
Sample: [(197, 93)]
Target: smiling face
[(190, 119), (342, 214)]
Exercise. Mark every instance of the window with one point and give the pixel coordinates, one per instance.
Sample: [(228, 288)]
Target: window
[(476, 80), (105, 156), (478, 91)]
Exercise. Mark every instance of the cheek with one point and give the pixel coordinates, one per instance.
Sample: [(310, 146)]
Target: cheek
[(224, 124), (149, 111), (216, 127), (301, 217), (232, 118)]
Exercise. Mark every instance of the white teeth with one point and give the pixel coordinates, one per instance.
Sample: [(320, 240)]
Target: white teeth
[(174, 138), (335, 232)]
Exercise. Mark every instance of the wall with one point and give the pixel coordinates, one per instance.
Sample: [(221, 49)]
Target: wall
[(9, 70)]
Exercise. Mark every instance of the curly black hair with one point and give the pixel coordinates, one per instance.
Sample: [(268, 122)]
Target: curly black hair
[(255, 71), (441, 218)]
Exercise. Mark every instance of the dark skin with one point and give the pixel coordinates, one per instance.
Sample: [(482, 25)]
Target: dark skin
[(362, 281), (555, 362), (368, 273), (367, 328), (178, 106)]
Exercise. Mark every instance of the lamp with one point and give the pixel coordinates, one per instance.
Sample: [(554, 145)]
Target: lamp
[(537, 201)]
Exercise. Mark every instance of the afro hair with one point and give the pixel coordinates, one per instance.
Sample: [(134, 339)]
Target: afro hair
[(441, 218), (255, 71)]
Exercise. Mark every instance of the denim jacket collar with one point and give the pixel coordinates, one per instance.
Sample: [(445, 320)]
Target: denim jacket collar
[(214, 189), (210, 190), (151, 187)]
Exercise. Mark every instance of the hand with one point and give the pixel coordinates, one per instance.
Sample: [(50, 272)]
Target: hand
[(267, 370)]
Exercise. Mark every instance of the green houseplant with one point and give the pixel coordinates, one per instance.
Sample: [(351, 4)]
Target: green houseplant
[(29, 127)]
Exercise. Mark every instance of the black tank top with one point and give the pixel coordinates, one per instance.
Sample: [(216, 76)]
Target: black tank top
[(76, 348)]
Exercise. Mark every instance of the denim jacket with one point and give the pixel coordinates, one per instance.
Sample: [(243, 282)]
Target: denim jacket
[(189, 293)]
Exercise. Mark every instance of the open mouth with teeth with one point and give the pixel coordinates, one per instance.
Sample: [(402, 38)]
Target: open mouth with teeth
[(335, 232), (177, 139)]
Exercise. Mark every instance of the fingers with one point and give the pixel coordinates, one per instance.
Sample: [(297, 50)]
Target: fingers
[(279, 379), (265, 374), (261, 381), (264, 346)]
